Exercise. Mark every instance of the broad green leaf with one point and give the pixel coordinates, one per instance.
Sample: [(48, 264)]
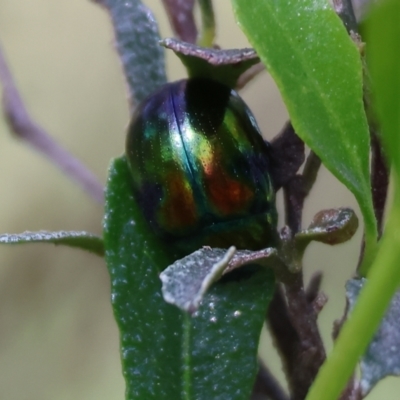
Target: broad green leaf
[(150, 329), (318, 70), (222, 337), (382, 34), (167, 354), (83, 240), (137, 40)]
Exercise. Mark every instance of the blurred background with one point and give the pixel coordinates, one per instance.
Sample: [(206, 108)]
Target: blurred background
[(58, 339)]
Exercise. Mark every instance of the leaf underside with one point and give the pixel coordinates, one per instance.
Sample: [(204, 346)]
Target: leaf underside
[(224, 66), (82, 240)]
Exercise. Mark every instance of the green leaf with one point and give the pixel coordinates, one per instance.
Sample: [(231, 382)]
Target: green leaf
[(222, 338), (150, 329), (137, 40), (383, 33), (224, 66), (83, 240), (167, 354), (318, 70), (384, 275)]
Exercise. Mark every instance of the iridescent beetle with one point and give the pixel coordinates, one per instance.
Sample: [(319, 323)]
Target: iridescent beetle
[(200, 168)]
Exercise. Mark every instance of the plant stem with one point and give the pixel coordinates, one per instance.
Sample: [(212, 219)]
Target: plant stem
[(344, 8), (379, 180), (266, 385), (284, 335), (249, 75), (207, 36), (298, 189), (180, 14), (357, 332), (310, 172), (310, 353), (287, 155), (313, 287), (25, 128), (296, 328)]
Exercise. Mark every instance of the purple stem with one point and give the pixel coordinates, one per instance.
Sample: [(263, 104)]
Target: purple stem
[(180, 14), (292, 318), (25, 128), (379, 180), (266, 386)]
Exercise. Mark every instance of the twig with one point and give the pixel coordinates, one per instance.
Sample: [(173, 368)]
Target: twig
[(287, 155), (180, 14), (293, 194), (294, 337), (379, 180), (266, 386), (344, 8), (25, 128), (297, 189), (313, 295), (313, 287), (310, 172), (283, 333), (305, 352), (309, 352), (249, 75), (207, 35)]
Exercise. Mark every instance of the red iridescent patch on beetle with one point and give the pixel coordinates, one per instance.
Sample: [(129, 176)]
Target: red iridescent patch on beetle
[(229, 196), (178, 210)]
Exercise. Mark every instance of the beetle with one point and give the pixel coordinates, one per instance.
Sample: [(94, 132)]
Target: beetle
[(200, 168)]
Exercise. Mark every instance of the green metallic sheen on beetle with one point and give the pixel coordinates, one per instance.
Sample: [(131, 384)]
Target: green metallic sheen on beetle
[(200, 167)]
